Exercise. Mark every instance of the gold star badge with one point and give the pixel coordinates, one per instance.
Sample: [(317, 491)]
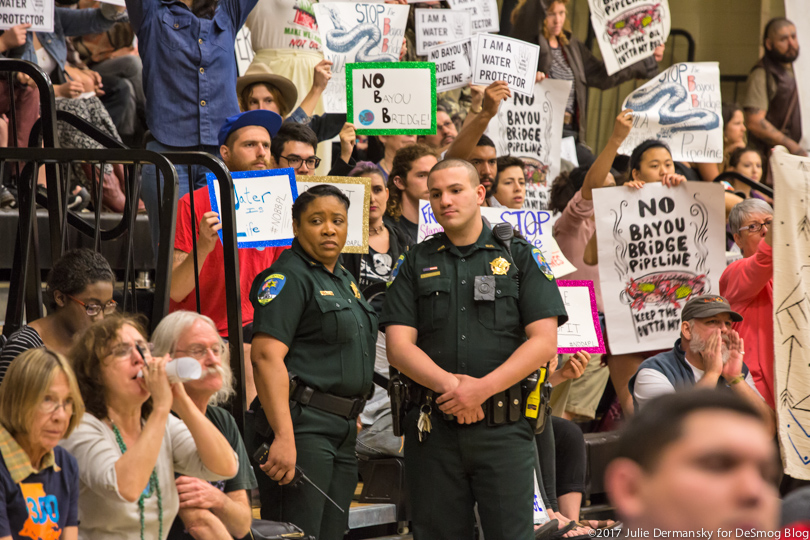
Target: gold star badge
[(355, 290), (500, 266)]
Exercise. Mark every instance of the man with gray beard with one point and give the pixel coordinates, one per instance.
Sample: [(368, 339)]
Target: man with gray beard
[(217, 510), (709, 354)]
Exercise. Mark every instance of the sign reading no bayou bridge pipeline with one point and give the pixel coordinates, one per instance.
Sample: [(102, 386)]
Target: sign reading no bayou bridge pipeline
[(392, 99)]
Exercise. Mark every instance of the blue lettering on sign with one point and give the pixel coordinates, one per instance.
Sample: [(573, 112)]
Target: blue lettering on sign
[(528, 222), (427, 214)]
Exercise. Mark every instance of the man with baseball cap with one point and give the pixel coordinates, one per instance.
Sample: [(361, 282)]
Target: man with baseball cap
[(244, 146), (709, 354)]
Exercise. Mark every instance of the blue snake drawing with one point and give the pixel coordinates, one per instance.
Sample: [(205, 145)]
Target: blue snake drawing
[(688, 120), (342, 41)]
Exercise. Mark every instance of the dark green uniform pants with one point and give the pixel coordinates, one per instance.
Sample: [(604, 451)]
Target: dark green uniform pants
[(459, 465), (325, 446)]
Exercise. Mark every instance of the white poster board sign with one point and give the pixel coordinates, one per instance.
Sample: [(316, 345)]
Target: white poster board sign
[(263, 205), (437, 26), (658, 246), (582, 331), (534, 226), (498, 58), (628, 31), (568, 151), (453, 64), (351, 33), (484, 14), (392, 99), (683, 108), (37, 13), (244, 50), (530, 127), (358, 190), (791, 304)]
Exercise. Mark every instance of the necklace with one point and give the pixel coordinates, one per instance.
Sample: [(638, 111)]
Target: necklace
[(153, 486), (374, 231)]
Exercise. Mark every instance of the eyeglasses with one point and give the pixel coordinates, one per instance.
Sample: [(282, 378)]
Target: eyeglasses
[(94, 309), (50, 405), (198, 352), (755, 227), (124, 350), (295, 161)]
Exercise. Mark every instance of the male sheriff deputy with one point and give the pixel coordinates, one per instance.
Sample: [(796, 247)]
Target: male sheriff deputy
[(468, 318)]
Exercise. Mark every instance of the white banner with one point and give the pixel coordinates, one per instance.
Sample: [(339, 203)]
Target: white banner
[(453, 64), (796, 11), (438, 26), (534, 226), (498, 58), (392, 99), (263, 205), (628, 30), (37, 13), (682, 107), (244, 50), (484, 14), (358, 190), (791, 304), (657, 247), (357, 33), (531, 128)]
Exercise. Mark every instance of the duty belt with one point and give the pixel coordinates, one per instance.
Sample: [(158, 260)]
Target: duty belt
[(505, 407), (348, 408)]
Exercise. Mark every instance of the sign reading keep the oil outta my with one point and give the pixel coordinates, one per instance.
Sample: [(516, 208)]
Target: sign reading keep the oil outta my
[(392, 99)]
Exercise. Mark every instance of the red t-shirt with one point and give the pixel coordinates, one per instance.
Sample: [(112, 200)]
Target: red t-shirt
[(252, 261)]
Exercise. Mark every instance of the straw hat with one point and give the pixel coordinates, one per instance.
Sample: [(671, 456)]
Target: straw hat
[(259, 72)]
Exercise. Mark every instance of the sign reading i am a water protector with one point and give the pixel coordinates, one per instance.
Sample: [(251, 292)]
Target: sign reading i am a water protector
[(392, 99), (498, 58), (582, 332), (437, 26), (358, 190), (37, 13), (453, 64), (263, 204)]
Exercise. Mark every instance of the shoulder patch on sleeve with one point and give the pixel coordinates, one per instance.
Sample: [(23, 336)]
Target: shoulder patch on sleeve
[(270, 288), (544, 267), (397, 266)]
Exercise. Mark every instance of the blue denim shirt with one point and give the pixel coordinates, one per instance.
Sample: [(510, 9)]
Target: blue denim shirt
[(66, 22), (189, 67)]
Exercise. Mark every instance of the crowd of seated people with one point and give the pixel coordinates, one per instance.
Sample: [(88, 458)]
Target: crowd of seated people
[(95, 430)]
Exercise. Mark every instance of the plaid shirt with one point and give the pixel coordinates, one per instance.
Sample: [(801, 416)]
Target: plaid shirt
[(17, 461)]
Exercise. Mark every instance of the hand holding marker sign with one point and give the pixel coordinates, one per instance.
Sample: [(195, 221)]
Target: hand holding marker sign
[(392, 99), (498, 58)]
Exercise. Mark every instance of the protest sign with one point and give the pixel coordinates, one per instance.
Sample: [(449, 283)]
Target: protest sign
[(357, 33), (628, 31), (498, 58), (568, 151), (531, 128), (263, 205), (658, 246), (791, 304), (37, 13), (453, 64), (358, 190), (484, 14), (582, 332), (534, 226), (244, 50), (437, 26), (392, 99), (681, 107), (796, 11)]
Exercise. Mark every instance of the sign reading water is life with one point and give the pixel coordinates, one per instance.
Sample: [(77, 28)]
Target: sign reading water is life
[(263, 205), (392, 98)]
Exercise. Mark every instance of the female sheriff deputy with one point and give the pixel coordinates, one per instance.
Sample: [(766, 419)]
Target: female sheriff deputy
[(313, 356)]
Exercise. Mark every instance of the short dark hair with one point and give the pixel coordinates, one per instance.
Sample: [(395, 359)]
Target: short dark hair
[(638, 152), (660, 423), (728, 112), (485, 141), (774, 25), (564, 187), (504, 162), (74, 271), (454, 163), (295, 132), (737, 153), (401, 166), (316, 192)]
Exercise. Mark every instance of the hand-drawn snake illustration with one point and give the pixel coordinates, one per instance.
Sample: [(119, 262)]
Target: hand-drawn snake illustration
[(342, 41), (690, 119)]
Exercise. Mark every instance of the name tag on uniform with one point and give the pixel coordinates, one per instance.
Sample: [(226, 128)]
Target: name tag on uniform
[(430, 274), (327, 293)]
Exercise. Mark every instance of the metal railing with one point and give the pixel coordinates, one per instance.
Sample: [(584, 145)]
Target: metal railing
[(753, 184)]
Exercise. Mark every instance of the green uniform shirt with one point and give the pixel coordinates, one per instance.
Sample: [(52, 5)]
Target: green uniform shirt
[(433, 291), (322, 317)]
